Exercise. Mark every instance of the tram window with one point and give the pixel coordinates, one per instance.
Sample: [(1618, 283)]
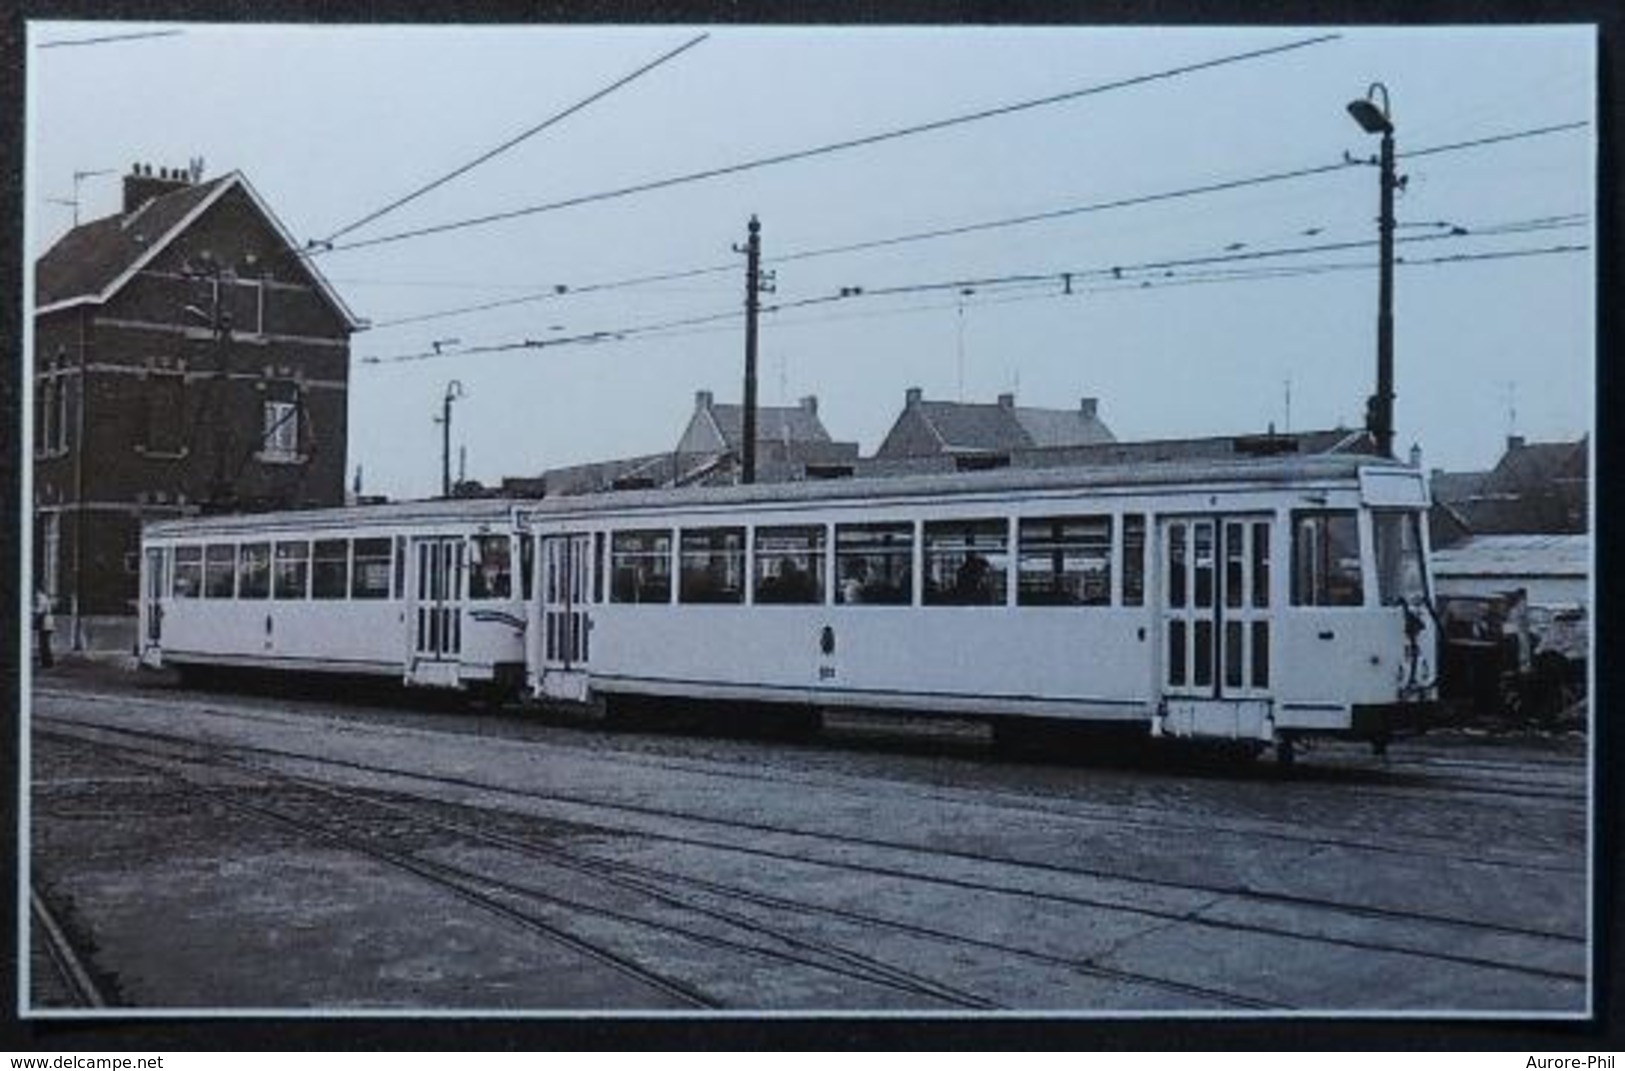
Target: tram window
[(1202, 566), (1326, 559), (369, 573), (789, 565), (598, 567), (400, 567), (1261, 654), (254, 571), (641, 562), (492, 575), (220, 571), (713, 565), (875, 563), (1261, 563), (329, 569), (1176, 566), (292, 577), (527, 566), (188, 572), (1065, 561), (967, 563), (1399, 556), (1235, 557), (1133, 559)]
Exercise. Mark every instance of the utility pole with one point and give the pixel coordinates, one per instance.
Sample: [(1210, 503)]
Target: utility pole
[(1380, 408), (755, 285), (218, 319), (454, 391)]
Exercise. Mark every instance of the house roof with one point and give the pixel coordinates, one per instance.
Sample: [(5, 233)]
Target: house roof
[(1534, 488), (972, 426), (92, 262), (774, 423), (1516, 555), (1062, 427), (1328, 441)]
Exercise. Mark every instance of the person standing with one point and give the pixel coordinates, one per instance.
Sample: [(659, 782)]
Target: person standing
[(44, 625)]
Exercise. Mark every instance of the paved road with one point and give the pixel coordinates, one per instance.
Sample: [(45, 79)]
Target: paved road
[(258, 852)]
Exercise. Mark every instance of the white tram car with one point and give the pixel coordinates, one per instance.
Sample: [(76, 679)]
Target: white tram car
[(421, 592), (1261, 600)]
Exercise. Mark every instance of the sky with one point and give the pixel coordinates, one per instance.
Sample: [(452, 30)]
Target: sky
[(1172, 320)]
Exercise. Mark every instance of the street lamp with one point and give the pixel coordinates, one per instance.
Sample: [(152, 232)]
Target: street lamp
[(454, 391), (1379, 415)]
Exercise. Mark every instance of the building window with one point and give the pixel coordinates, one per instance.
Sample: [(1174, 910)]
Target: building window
[(875, 563), (713, 565), (1065, 561), (165, 431), (281, 430), (966, 563), (790, 565), (45, 415)]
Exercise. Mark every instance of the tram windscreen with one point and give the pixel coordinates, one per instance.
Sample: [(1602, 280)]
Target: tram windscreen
[(1400, 574)]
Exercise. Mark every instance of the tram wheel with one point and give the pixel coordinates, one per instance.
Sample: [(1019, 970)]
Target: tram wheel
[(1286, 753)]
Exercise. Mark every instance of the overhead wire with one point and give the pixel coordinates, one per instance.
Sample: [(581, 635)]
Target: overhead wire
[(832, 147), (1202, 189), (513, 141), (1131, 274)]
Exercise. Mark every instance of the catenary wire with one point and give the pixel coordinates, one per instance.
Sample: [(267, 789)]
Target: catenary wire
[(561, 290), (829, 147), (513, 141), (1123, 274)]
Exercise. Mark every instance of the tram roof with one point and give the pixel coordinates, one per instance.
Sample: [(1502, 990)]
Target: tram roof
[(1263, 472)]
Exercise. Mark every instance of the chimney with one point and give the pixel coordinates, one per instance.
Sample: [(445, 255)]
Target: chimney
[(1007, 401), (1088, 407), (1514, 442), (141, 186), (911, 397), (1416, 456), (809, 405), (702, 399)]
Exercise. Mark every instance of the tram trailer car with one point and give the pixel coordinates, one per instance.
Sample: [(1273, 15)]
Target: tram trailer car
[(1261, 601), (426, 593)]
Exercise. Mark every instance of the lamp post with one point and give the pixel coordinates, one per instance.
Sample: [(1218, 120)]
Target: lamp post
[(454, 391), (1380, 408)]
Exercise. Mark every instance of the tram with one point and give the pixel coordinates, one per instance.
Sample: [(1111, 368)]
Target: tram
[(420, 592), (1260, 600)]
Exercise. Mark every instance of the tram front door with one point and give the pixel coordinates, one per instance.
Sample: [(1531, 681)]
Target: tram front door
[(567, 596), (1214, 613), (435, 610)]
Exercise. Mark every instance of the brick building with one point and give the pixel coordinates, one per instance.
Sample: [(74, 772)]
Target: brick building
[(186, 359)]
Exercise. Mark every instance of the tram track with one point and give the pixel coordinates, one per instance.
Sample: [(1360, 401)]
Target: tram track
[(911, 873), (68, 966), (1155, 820)]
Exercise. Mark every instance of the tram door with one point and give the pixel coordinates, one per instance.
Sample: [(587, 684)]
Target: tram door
[(1215, 609), (152, 593), (435, 610), (567, 593)]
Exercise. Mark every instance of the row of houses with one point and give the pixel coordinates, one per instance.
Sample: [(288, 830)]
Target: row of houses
[(188, 357)]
